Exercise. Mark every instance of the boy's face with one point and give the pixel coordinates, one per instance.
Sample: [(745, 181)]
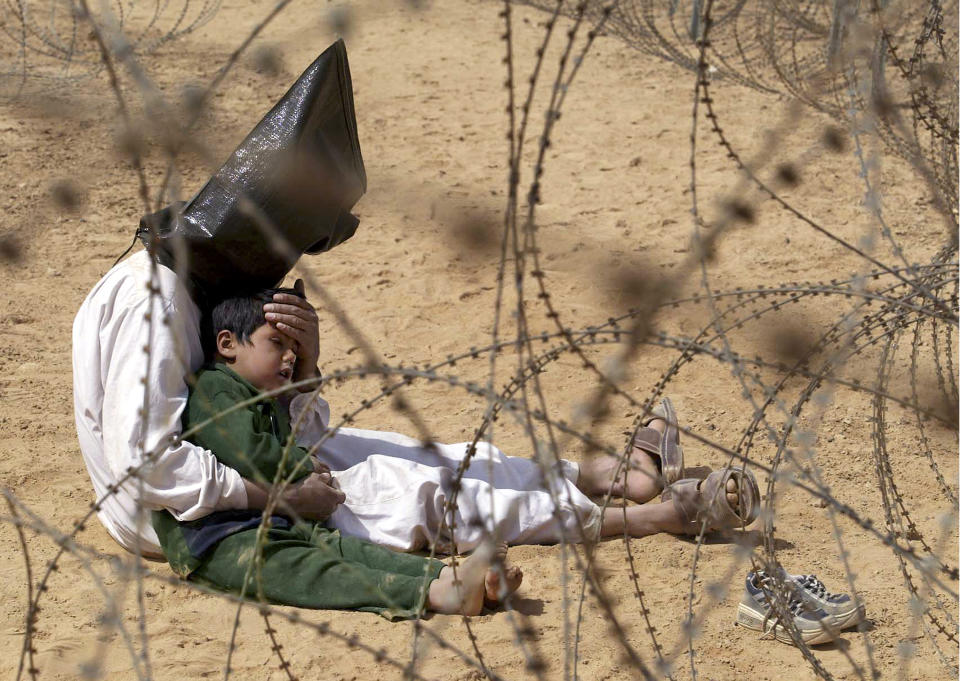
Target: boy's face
[(266, 359)]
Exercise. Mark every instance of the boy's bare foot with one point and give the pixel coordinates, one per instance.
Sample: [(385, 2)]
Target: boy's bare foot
[(496, 589), (461, 593), (476, 580)]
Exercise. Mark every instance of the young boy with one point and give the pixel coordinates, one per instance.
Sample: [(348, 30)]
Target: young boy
[(398, 493), (302, 563)]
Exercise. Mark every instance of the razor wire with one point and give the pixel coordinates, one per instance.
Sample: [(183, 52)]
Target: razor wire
[(48, 45), (835, 58), (797, 47)]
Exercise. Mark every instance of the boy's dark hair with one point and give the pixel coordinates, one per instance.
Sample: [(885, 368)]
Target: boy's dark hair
[(241, 315)]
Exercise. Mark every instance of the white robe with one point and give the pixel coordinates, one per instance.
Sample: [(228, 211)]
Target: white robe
[(110, 333), (396, 490)]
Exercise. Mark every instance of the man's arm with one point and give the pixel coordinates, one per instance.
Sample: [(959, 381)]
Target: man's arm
[(110, 335), (144, 361), (313, 497)]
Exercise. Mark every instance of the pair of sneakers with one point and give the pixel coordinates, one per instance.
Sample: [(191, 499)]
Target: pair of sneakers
[(815, 613)]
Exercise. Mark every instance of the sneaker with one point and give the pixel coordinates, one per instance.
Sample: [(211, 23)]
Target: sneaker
[(843, 611), (755, 612)]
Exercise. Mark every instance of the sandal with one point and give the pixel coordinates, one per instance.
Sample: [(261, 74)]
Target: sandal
[(706, 500), (665, 447)]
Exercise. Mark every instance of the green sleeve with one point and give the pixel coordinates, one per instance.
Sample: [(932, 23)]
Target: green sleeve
[(243, 439)]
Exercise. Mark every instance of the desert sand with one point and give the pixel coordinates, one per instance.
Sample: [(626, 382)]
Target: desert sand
[(418, 280)]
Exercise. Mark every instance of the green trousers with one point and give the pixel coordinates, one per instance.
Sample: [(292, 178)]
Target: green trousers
[(310, 566)]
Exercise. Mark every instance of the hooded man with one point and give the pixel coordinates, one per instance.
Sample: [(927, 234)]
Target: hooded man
[(286, 190)]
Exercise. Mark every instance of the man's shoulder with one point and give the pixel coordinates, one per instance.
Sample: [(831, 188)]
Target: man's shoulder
[(136, 281)]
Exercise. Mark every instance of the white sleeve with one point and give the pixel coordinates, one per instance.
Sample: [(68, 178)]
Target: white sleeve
[(309, 416), (185, 479)]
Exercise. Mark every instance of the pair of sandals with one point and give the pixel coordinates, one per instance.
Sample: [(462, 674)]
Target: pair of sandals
[(697, 501)]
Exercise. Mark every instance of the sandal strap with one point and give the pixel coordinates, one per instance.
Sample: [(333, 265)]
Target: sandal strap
[(654, 414), (671, 453), (648, 440)]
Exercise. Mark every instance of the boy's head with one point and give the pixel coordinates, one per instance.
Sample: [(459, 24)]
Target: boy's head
[(239, 336)]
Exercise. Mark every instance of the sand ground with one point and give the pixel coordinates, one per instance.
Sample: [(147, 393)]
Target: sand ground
[(431, 114)]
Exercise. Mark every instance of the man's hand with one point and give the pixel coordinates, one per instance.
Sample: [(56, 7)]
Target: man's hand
[(314, 497), (296, 318)]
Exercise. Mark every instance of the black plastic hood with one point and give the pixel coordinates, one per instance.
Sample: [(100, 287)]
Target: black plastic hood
[(286, 190)]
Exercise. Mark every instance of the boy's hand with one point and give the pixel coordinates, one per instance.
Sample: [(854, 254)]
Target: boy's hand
[(296, 318)]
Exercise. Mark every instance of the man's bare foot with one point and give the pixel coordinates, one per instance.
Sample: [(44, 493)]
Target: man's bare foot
[(478, 579), (641, 521), (733, 493)]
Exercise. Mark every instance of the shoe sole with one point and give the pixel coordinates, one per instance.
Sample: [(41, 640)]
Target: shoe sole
[(839, 620), (851, 618), (751, 619)]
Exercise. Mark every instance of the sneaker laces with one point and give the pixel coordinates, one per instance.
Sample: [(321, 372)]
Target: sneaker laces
[(794, 604), (814, 586)]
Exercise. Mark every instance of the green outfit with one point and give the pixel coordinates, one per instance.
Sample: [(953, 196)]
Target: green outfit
[(303, 564)]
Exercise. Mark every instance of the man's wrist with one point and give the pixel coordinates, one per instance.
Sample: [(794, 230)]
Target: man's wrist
[(309, 387), (256, 495)]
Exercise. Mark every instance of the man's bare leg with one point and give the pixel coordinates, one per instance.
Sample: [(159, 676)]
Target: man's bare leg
[(641, 521), (643, 480), (478, 578)]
